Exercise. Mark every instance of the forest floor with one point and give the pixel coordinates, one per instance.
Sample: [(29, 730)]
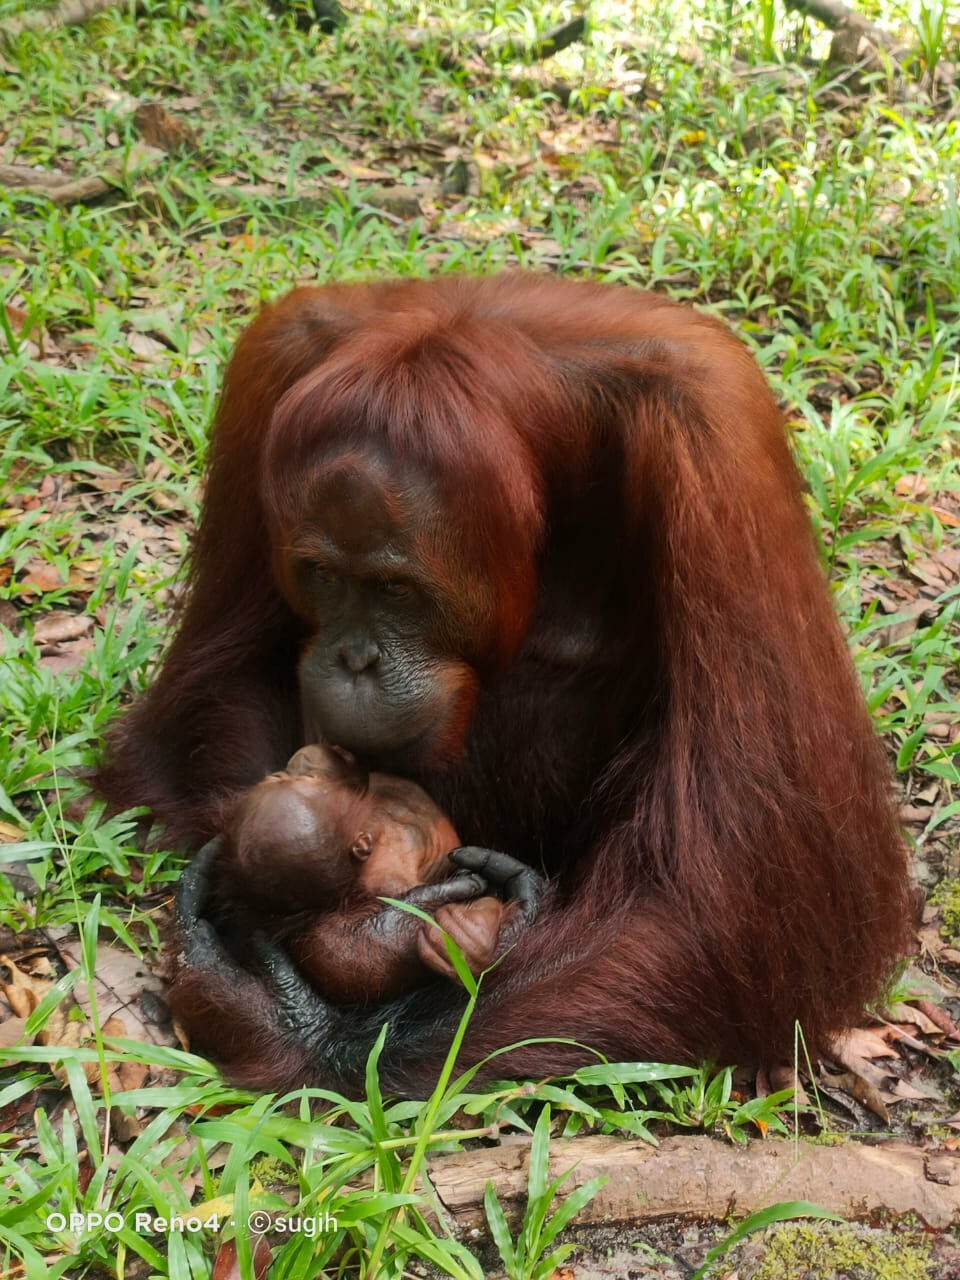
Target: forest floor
[(164, 168)]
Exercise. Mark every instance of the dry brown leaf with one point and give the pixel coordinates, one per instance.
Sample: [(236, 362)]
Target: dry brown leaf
[(131, 1074), (928, 571), (914, 1016), (917, 1090), (23, 992), (857, 1050), (781, 1076), (948, 558), (67, 657), (59, 625), (156, 469), (159, 128), (66, 1027), (361, 172), (142, 345), (124, 1128), (227, 1265), (915, 813), (9, 834), (120, 978), (16, 317), (940, 1018), (861, 1044), (63, 1031), (106, 481), (861, 1090), (41, 577), (12, 1031)]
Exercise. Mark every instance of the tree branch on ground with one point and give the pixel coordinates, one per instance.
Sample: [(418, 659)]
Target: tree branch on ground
[(705, 1178), (495, 46), (60, 188), (834, 14), (857, 39), (69, 13)]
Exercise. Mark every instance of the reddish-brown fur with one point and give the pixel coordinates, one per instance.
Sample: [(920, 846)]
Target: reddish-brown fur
[(323, 828), (318, 844), (670, 724)]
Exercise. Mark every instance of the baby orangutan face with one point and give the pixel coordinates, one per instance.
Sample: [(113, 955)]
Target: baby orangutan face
[(314, 848), (323, 830)]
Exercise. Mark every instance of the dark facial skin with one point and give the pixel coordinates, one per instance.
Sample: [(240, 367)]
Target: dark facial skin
[(382, 673), (390, 672), (317, 843), (401, 620)]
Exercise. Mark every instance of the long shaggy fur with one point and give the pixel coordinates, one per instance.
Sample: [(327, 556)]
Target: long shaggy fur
[(671, 727)]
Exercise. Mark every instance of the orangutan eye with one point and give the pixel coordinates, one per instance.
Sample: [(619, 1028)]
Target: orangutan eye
[(397, 590), (312, 575)]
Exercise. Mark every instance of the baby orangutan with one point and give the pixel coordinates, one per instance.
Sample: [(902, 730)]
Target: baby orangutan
[(314, 847)]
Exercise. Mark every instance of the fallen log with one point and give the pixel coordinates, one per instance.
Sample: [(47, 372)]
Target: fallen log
[(705, 1178), (857, 39), (60, 188), (70, 13)]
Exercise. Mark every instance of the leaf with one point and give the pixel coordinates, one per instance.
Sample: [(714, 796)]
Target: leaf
[(574, 1202), (358, 1210), (539, 1155), (378, 1123), (861, 1090), (913, 1015), (227, 1265), (861, 1044), (630, 1072), (908, 748), (498, 1227)]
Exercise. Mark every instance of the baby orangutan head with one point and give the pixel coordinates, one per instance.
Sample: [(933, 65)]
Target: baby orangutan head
[(323, 829)]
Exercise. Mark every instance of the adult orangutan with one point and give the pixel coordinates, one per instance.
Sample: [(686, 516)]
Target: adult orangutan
[(317, 844), (540, 547)]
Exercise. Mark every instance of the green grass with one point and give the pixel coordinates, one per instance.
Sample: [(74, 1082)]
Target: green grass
[(826, 231), (829, 239), (357, 1167)]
